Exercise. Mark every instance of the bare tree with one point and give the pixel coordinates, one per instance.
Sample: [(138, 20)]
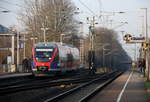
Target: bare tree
[(106, 45), (55, 15)]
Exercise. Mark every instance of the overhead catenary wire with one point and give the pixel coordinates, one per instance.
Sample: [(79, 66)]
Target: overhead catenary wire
[(4, 8), (10, 3), (86, 7), (100, 6), (100, 10), (9, 10)]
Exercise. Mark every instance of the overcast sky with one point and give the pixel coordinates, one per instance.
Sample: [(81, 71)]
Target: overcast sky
[(89, 8)]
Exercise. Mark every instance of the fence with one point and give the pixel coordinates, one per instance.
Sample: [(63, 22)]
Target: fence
[(9, 68)]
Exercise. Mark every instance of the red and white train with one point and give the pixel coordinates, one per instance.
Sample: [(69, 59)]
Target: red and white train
[(51, 57)]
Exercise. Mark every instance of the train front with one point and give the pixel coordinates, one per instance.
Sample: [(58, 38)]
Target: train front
[(44, 59)]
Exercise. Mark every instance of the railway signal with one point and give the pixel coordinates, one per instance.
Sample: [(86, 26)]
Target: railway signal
[(127, 37), (145, 46), (138, 38)]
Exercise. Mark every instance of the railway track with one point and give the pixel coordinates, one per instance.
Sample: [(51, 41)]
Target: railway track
[(27, 80), (36, 84), (11, 81), (84, 92)]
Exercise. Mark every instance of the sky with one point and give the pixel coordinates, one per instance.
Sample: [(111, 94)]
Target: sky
[(132, 15), (8, 19), (103, 10)]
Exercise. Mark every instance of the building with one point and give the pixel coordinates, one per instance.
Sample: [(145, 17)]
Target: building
[(5, 43)]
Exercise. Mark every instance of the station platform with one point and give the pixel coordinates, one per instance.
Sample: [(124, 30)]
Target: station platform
[(13, 75), (129, 87)]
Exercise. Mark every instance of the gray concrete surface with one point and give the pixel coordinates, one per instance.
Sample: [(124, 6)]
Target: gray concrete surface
[(134, 91)]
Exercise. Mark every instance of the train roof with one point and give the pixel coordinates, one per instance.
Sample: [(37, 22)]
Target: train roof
[(52, 44)]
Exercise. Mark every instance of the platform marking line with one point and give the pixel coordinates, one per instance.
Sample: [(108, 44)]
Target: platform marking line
[(122, 91)]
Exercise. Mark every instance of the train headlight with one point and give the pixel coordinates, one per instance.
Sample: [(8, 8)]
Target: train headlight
[(59, 64), (36, 58)]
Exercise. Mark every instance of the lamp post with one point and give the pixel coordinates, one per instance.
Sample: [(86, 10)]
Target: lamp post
[(33, 39), (81, 43), (146, 39), (61, 38), (44, 32)]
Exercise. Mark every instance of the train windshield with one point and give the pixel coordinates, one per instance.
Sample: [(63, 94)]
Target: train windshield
[(43, 55)]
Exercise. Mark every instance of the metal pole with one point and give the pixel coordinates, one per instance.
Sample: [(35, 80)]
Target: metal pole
[(93, 25), (135, 53), (12, 48), (80, 52), (44, 35), (83, 51), (81, 44), (147, 66), (17, 51), (61, 38), (24, 48), (103, 58), (44, 32), (142, 26), (146, 24), (104, 53), (146, 38)]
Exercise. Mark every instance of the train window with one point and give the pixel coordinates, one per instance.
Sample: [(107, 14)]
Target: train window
[(44, 50), (44, 54), (69, 57)]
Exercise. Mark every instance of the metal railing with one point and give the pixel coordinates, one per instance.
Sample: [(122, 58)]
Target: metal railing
[(9, 68)]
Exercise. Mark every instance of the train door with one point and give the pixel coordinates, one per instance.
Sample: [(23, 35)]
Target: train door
[(69, 60)]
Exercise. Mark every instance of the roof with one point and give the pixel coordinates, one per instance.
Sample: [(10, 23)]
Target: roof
[(52, 44), (47, 44), (5, 31)]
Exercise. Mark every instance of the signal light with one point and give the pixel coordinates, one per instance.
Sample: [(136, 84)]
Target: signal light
[(127, 37)]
